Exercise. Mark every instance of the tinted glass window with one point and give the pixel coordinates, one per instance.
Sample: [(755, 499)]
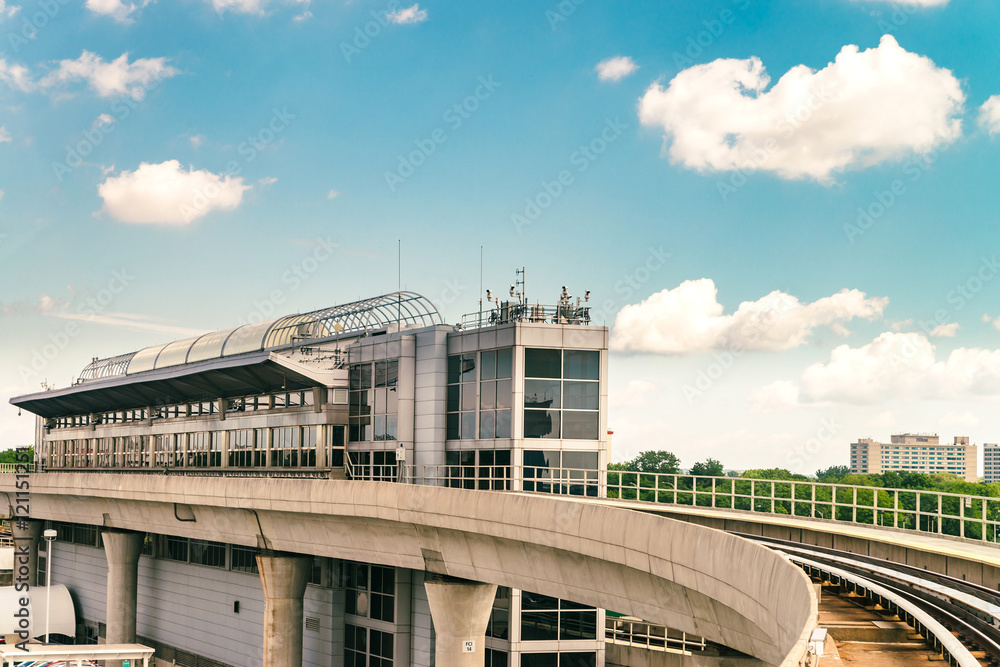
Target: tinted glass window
[(542, 363), (582, 365)]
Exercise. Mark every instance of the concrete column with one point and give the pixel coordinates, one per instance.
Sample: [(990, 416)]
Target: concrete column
[(27, 534), (460, 611), (284, 578), (122, 549)]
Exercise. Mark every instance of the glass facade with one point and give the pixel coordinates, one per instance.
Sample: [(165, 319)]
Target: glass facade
[(373, 401), (479, 394), (562, 394)]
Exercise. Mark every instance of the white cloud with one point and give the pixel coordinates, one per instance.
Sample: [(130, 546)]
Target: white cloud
[(130, 321), (407, 15), (989, 320), (8, 10), (615, 69), (167, 194), (989, 115), (117, 77), (304, 16), (239, 6), (945, 330), (777, 396), (897, 366), (4, 135), (332, 194), (197, 140), (116, 9), (960, 420), (864, 108), (268, 180), (16, 76), (911, 3), (690, 319)]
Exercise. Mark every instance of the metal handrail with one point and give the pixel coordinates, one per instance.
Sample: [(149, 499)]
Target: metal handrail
[(511, 311), (911, 510), (17, 467), (631, 631)]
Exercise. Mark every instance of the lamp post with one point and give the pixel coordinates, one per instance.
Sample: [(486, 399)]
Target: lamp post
[(50, 537)]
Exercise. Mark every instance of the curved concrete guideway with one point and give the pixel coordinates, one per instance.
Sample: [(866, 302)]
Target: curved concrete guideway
[(694, 579)]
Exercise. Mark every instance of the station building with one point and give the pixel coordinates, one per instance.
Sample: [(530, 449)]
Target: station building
[(511, 398)]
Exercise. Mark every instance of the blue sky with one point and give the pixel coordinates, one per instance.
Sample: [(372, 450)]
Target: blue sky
[(227, 141)]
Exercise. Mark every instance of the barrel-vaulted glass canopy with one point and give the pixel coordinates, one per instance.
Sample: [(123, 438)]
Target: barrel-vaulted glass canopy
[(405, 308)]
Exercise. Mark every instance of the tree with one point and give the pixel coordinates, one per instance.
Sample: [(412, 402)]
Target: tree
[(708, 468), (655, 461), (833, 474)]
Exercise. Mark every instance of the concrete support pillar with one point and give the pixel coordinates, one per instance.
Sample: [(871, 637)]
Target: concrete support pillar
[(460, 611), (122, 549), (27, 534), (284, 578)]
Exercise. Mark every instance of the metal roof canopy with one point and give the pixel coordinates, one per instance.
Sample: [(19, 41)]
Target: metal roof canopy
[(11, 655), (245, 375), (348, 319)]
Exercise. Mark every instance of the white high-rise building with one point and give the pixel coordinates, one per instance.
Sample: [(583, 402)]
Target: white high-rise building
[(991, 462)]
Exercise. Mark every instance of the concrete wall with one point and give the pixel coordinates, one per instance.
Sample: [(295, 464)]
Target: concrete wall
[(191, 607), (683, 576)]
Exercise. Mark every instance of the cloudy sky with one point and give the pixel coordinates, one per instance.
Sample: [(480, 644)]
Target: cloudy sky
[(786, 211)]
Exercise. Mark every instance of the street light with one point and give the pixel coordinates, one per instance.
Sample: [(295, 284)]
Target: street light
[(50, 537)]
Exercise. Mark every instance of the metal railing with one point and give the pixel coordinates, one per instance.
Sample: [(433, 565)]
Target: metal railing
[(17, 467), (508, 312), (631, 631), (928, 512)]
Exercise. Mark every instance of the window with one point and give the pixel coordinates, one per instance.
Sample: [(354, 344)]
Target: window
[(378, 466), (545, 618), (367, 647), (562, 394), (175, 548), (165, 451), (499, 623), (373, 401), (495, 393), (135, 451), (212, 554), (246, 447), (584, 659), (244, 559), (204, 449), (495, 658), (462, 400), (371, 590), (335, 443), (285, 446)]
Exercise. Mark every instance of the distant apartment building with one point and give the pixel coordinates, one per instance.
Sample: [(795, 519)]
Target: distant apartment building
[(915, 452), (991, 462)]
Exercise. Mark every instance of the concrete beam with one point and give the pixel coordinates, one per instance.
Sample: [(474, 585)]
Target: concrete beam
[(26, 534), (122, 550)]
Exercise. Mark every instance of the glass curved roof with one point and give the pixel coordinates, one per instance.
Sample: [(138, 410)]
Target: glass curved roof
[(405, 308)]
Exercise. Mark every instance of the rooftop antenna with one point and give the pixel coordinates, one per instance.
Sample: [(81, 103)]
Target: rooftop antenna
[(480, 285), (399, 280)]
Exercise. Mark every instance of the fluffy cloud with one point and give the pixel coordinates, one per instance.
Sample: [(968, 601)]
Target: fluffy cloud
[(117, 77), (989, 115), (994, 322), (864, 108), (893, 366), (8, 11), (945, 330), (167, 194), (615, 69), (116, 9), (689, 318), (4, 135), (912, 3), (408, 15), (14, 75)]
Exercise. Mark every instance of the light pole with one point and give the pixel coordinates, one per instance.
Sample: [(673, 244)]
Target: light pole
[(50, 537)]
